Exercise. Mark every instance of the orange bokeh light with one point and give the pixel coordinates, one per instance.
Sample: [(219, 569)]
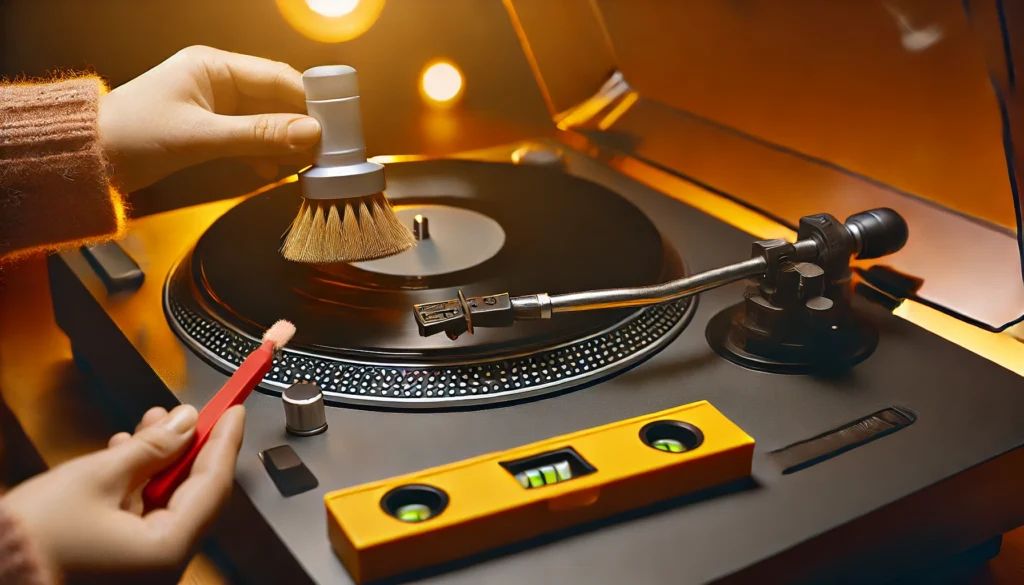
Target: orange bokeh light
[(441, 83), (332, 8), (331, 21)]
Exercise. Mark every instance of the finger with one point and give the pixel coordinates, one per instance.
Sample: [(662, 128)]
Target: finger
[(213, 472), (262, 135), (152, 416), (256, 77), (248, 106), (133, 501), (118, 439), (153, 448), (196, 501), (133, 504), (265, 168)]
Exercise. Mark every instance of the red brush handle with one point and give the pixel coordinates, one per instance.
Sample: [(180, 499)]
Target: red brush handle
[(245, 379)]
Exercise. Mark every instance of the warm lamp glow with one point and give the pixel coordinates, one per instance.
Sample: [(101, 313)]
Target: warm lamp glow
[(441, 83), (332, 8), (331, 21)]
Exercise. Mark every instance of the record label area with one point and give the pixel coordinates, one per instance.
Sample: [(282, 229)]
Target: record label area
[(450, 239), (506, 226)]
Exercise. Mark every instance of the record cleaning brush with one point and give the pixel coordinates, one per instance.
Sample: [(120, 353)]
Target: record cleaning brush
[(344, 216)]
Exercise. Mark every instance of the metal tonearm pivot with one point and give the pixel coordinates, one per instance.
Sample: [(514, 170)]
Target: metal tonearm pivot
[(822, 241)]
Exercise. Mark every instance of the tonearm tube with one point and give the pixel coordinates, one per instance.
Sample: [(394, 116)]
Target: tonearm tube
[(807, 269)]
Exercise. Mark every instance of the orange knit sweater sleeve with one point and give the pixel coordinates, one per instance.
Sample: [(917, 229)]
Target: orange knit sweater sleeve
[(54, 176), (21, 563)]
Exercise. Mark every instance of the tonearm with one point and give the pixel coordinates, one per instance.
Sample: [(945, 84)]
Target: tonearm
[(807, 274)]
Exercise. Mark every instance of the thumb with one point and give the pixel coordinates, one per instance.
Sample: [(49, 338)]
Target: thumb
[(261, 135), (134, 461)]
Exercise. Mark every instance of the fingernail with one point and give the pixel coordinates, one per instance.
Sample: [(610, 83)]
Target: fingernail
[(182, 419), (303, 133)]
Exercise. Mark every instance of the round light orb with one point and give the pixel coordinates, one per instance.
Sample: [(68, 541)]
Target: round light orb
[(332, 8), (441, 83), (331, 21)]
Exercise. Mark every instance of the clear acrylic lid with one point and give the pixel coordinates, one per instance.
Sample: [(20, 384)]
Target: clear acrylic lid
[(795, 108)]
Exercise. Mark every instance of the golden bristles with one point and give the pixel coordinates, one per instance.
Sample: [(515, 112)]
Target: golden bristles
[(346, 230)]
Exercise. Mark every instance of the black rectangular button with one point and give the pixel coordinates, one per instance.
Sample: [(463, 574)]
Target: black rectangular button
[(114, 266), (288, 472)]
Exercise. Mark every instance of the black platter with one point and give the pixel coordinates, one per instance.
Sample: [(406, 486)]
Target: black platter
[(357, 338)]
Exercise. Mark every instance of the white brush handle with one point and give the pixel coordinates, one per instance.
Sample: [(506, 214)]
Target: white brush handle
[(341, 170), (332, 98)]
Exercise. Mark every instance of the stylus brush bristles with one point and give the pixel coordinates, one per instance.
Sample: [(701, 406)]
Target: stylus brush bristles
[(345, 230), (280, 333)]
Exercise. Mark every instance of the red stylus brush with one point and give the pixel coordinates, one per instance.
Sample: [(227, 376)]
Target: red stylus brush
[(241, 384)]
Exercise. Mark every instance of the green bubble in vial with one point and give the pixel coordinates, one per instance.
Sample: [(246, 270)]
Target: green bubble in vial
[(536, 479), (413, 513), (548, 471), (670, 445)]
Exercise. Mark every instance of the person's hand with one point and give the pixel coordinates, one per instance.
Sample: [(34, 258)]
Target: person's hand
[(203, 104), (85, 515)]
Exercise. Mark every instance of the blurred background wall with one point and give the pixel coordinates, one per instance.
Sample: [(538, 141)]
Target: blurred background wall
[(897, 90), (120, 39)]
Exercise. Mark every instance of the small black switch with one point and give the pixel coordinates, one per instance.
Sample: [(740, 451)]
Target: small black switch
[(288, 472), (114, 266)]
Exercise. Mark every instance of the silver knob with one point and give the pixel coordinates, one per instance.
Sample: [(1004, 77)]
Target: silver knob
[(304, 411)]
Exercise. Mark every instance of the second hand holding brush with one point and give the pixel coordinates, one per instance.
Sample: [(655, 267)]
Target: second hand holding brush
[(241, 384)]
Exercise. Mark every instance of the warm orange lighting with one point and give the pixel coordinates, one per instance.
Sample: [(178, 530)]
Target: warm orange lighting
[(441, 83), (385, 159), (1000, 348), (619, 111), (332, 8), (331, 21), (443, 126)]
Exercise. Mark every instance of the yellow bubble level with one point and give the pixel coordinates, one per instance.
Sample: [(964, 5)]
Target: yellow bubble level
[(438, 515)]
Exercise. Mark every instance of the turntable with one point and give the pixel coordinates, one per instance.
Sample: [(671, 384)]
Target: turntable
[(562, 288), (479, 228)]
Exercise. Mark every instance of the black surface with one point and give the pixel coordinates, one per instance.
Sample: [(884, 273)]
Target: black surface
[(563, 234), (286, 469), (938, 487)]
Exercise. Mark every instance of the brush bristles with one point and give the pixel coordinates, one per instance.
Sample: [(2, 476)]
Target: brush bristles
[(346, 230), (280, 334)]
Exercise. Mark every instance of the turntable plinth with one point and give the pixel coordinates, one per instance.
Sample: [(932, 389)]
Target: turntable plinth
[(818, 523)]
